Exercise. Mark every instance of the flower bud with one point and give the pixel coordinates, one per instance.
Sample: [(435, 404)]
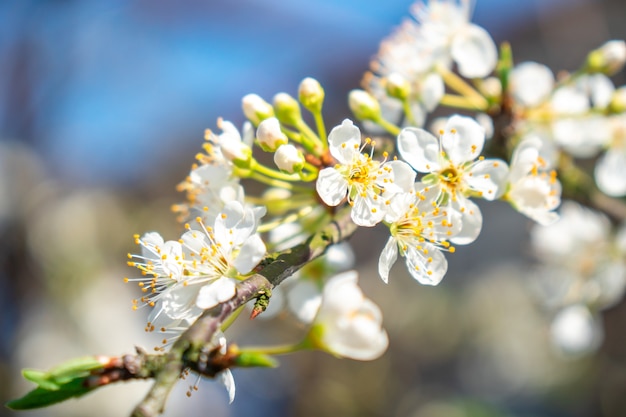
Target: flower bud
[(311, 95), (397, 86), (607, 59), (287, 109), (618, 101), (269, 135), (491, 87), (256, 109), (364, 105), (289, 159)]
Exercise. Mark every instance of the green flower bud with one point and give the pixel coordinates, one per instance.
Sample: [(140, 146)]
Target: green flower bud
[(287, 109), (607, 59), (311, 95), (364, 105), (256, 109)]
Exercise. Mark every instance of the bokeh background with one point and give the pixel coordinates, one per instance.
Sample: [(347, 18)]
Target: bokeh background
[(103, 105)]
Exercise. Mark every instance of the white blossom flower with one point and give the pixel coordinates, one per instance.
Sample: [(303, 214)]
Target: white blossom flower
[(211, 184), (445, 27), (609, 170), (575, 331), (367, 184), (581, 260), (577, 125), (533, 191), (440, 34), (348, 324), (200, 270), (531, 83), (456, 169), (420, 230)]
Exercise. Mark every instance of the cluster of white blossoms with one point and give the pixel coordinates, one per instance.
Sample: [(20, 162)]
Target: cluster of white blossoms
[(581, 114), (582, 271), (424, 192), (409, 70), (523, 144)]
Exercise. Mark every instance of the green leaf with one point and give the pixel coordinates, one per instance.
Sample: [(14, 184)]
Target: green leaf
[(59, 384), (40, 378), (42, 397), (74, 368)]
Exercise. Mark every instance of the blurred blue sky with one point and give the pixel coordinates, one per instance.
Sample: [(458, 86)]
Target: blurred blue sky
[(110, 91)]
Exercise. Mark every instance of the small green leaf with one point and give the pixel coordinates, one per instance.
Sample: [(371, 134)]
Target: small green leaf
[(60, 383), (42, 397), (74, 368), (40, 378)]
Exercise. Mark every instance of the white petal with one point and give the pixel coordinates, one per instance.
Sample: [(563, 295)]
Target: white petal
[(472, 221), (569, 100), (531, 83), (463, 139), (218, 291), (387, 258), (427, 268), (226, 378), (525, 157), (489, 177), (432, 90), (601, 90), (250, 254), (575, 331), (331, 186), (609, 173), (344, 141), (419, 148), (368, 212), (304, 299), (474, 52), (397, 177)]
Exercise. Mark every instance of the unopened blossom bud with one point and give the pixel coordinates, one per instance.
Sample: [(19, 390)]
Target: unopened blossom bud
[(289, 159), (618, 101), (364, 105), (311, 94), (491, 87), (607, 59), (269, 135), (397, 86), (256, 109), (287, 109)]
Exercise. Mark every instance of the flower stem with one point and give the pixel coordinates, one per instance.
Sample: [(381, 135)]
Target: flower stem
[(265, 227), (460, 102), (459, 85), (278, 349), (387, 125)]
